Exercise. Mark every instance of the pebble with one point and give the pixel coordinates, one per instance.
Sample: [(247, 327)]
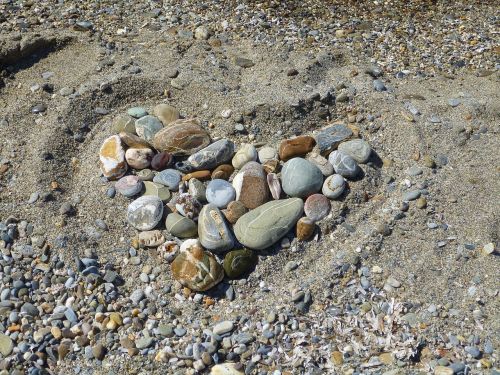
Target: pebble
[(124, 123), (343, 164), (145, 212), (414, 171), (151, 238), (180, 226), (226, 369), (245, 154), (195, 268), (223, 172), (334, 186), (146, 127), (411, 195), (328, 139), (267, 224), (161, 161), (239, 262), (197, 189), (137, 112), (243, 62), (181, 137), (378, 85), (301, 178), (454, 102), (156, 190), (99, 351), (166, 113), (421, 202), (213, 230), (357, 149), (234, 211), (274, 185), (317, 207), (251, 185), (219, 152), (305, 228), (223, 327), (267, 153), (294, 147), (112, 158), (168, 177), (139, 158), (134, 141), (322, 163), (188, 206), (39, 108), (129, 186), (6, 345), (220, 193)]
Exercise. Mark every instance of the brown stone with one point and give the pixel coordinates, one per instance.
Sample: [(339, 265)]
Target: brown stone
[(182, 137), (251, 185), (112, 158), (234, 211), (305, 228), (271, 166), (132, 140), (299, 146), (223, 172), (166, 113), (200, 175), (161, 161)]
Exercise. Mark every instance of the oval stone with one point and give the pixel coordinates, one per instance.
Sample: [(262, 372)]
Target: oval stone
[(124, 123), (137, 112), (157, 190), (112, 158), (145, 212), (146, 174), (300, 178), (328, 139), (322, 163), (317, 207), (166, 113), (246, 153), (267, 224), (182, 137), (196, 268), (357, 149), (239, 262), (223, 172), (131, 140), (169, 177), (217, 153), (267, 153), (220, 193), (298, 146), (180, 226), (234, 211), (305, 228), (334, 186), (146, 127), (213, 230), (151, 238), (251, 185), (274, 185), (129, 186), (343, 164), (161, 161), (139, 158)]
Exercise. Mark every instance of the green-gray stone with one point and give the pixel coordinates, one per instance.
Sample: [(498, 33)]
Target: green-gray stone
[(157, 190), (147, 126), (137, 112), (239, 262), (124, 123), (267, 224), (6, 345), (301, 178), (181, 226)]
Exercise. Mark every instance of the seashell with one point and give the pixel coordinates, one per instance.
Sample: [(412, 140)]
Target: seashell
[(274, 185)]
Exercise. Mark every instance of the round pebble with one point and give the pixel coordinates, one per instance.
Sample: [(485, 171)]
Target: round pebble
[(145, 212), (170, 178), (334, 186), (317, 207), (220, 193), (301, 178), (129, 186)]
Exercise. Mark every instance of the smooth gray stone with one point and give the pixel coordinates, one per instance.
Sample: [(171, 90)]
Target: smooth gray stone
[(357, 149), (343, 164), (145, 212), (267, 224), (334, 186), (220, 193), (378, 85), (213, 230), (137, 112), (168, 177), (411, 195), (181, 226), (217, 153), (329, 138), (301, 178), (146, 127)]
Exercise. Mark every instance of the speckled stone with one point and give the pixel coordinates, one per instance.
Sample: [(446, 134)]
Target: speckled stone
[(267, 153), (112, 158), (220, 193), (196, 268), (251, 185), (213, 230), (145, 212), (182, 137), (267, 224), (357, 149), (146, 127), (298, 146), (169, 177), (133, 141), (188, 206), (301, 178), (124, 123), (217, 153), (317, 207), (239, 262), (151, 238), (334, 186), (139, 158), (137, 112), (157, 190), (305, 228), (166, 113), (343, 164), (129, 186), (180, 226), (328, 139), (246, 153), (321, 162)]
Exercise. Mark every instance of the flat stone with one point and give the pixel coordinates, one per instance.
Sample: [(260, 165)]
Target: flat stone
[(328, 139), (239, 262), (411, 195), (334, 186), (245, 154), (133, 141), (223, 327), (145, 212), (267, 224), (129, 186), (112, 158), (343, 164), (414, 170), (137, 112), (299, 146), (305, 228), (220, 193), (454, 102), (156, 190), (196, 268), (317, 207), (181, 226), (169, 177), (182, 137), (251, 185), (166, 113), (139, 158), (378, 85), (223, 172), (357, 149), (213, 230), (124, 123), (301, 178), (6, 345), (217, 153), (267, 153), (146, 127)]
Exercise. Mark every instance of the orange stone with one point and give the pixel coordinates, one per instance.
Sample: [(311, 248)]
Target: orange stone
[(305, 228), (223, 172), (299, 146), (200, 175), (112, 158)]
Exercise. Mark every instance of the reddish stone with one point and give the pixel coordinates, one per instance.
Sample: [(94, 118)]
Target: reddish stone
[(299, 146), (161, 161), (317, 207)]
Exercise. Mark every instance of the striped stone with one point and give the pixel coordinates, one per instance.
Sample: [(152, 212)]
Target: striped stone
[(182, 137)]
